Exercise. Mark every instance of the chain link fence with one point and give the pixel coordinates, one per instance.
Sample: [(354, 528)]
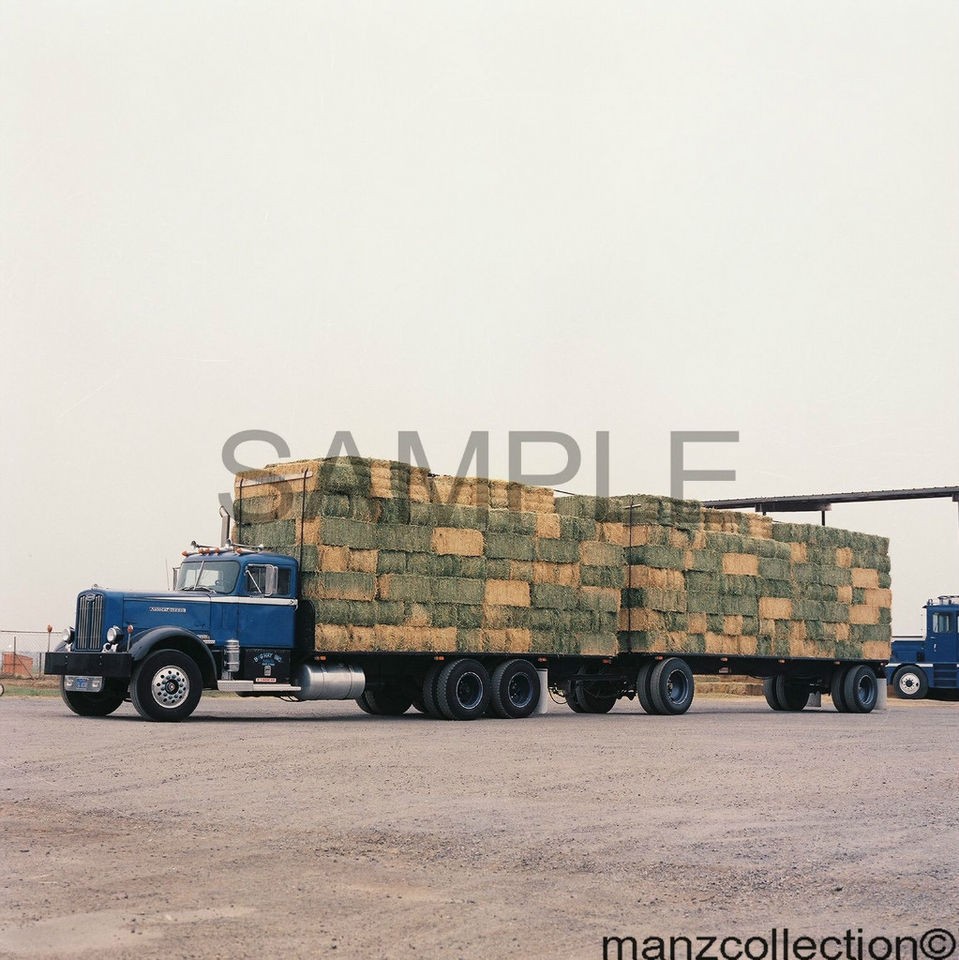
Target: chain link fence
[(22, 653)]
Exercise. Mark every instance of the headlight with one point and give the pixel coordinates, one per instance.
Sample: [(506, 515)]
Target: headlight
[(68, 635), (114, 634)]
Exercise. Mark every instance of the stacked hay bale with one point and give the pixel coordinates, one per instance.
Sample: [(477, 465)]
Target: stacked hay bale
[(396, 559), (714, 581)]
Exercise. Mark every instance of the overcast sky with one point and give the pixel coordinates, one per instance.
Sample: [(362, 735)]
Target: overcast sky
[(636, 217)]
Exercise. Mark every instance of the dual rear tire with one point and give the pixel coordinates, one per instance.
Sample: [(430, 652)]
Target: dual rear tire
[(463, 689), (665, 687)]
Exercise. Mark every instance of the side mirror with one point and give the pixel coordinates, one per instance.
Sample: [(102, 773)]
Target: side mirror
[(271, 581)]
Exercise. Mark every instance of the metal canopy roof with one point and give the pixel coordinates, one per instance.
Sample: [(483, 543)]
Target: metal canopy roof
[(823, 501)]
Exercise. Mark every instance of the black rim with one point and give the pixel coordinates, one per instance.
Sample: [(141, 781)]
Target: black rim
[(677, 686), (520, 691), (469, 691)]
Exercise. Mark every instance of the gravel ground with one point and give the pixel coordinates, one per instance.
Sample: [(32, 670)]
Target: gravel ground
[(263, 829)]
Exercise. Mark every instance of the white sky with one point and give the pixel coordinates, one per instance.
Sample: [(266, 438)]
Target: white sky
[(636, 217)]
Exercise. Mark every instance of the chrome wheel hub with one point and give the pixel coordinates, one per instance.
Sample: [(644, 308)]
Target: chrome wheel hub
[(171, 686)]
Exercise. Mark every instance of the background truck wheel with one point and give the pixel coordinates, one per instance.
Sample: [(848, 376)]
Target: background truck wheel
[(463, 689), (769, 692), (642, 688), (836, 684), (792, 694), (671, 686), (910, 683), (384, 703), (514, 690), (860, 689), (100, 704), (166, 686), (430, 706)]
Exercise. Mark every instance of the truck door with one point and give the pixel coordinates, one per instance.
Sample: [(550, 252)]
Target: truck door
[(943, 640), (267, 607)]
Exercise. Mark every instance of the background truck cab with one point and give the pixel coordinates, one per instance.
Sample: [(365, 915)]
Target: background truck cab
[(929, 663)]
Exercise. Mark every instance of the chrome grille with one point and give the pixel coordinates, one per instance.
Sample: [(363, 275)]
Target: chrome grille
[(89, 622)]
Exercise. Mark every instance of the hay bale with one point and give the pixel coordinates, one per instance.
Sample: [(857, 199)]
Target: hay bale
[(741, 564), (509, 592), (463, 542)]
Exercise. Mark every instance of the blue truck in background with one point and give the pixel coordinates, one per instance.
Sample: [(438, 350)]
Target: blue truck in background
[(920, 666)]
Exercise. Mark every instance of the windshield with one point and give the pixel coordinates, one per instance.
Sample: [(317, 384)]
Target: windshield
[(217, 576)]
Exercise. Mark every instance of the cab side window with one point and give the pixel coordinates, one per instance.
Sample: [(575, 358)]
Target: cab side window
[(942, 623), (255, 580), (283, 581)]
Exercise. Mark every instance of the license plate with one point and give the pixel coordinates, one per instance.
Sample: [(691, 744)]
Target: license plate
[(85, 684)]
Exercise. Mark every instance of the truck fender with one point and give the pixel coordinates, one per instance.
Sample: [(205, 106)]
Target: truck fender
[(176, 638)]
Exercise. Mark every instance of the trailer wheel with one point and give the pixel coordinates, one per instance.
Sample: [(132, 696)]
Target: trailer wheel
[(100, 704), (671, 686), (836, 685), (166, 686), (384, 703), (792, 694), (910, 683), (430, 706), (643, 689), (860, 689), (771, 694), (463, 689), (571, 699), (514, 690)]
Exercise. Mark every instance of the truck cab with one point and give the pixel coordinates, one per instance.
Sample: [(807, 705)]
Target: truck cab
[(229, 623), (930, 662)]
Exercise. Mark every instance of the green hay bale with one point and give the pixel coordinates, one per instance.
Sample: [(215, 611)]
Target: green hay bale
[(774, 569), (344, 475), (598, 602), (706, 561), (553, 596), (511, 521), (728, 543), (446, 565), (275, 534), (346, 582), (508, 546), (702, 602), (391, 536), (663, 558), (704, 583), (731, 604), (340, 532), (406, 586), (359, 613), (836, 612), (655, 598), (577, 528), (394, 511), (391, 561), (449, 515), (885, 580), (457, 590), (499, 569), (543, 618), (602, 576), (555, 551)]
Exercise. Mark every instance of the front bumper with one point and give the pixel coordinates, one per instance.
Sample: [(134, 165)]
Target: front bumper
[(62, 663)]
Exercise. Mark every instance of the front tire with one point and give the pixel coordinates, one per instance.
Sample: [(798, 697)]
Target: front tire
[(166, 686), (910, 683), (100, 704)]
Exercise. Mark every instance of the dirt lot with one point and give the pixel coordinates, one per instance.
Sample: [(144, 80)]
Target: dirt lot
[(266, 829)]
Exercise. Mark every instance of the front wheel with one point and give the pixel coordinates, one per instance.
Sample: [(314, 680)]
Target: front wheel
[(100, 704), (166, 687), (910, 683)]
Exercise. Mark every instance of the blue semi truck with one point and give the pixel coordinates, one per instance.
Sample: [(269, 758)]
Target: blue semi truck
[(236, 622), (929, 664)]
